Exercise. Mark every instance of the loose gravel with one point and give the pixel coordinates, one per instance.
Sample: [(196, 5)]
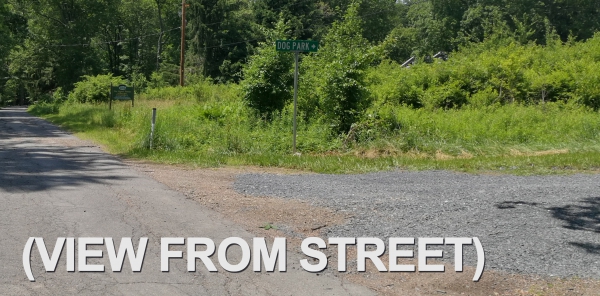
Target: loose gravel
[(544, 225)]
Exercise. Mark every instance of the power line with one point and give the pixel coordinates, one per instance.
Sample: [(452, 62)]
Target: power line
[(258, 39), (202, 48), (274, 10), (177, 28), (113, 41)]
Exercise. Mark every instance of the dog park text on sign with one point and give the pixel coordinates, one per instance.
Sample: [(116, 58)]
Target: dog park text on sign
[(297, 45)]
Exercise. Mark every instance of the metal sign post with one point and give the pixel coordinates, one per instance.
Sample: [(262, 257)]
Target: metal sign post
[(296, 54), (296, 46), (111, 97), (153, 122)]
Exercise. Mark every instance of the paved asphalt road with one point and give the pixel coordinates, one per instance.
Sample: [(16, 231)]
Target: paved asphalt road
[(52, 185)]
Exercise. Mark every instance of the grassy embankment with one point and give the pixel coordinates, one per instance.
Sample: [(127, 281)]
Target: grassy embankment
[(496, 106), (209, 125)]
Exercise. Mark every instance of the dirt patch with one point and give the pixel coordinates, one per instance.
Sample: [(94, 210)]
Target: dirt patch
[(461, 283), (294, 219), (438, 155), (376, 153), (515, 152), (65, 142), (416, 154), (264, 216), (465, 155)]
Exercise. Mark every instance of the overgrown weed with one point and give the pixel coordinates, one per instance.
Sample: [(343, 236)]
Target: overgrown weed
[(513, 138)]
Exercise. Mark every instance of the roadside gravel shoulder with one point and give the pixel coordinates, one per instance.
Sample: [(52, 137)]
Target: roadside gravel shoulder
[(544, 225), (299, 205)]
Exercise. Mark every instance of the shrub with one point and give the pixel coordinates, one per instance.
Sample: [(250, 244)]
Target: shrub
[(94, 89), (448, 95), (168, 75), (268, 76), (398, 46), (336, 75), (483, 75)]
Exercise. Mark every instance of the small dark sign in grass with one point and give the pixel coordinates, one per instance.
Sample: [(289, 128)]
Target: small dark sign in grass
[(121, 93)]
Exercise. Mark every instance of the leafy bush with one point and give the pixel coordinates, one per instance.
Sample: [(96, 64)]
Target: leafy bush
[(43, 108), (168, 75), (398, 46), (139, 82), (94, 89), (268, 75), (484, 75), (203, 90), (336, 75), (448, 95)]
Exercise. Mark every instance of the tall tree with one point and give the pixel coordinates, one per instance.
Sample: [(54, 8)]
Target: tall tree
[(5, 47), (61, 33), (335, 79), (221, 36), (380, 17), (305, 18)]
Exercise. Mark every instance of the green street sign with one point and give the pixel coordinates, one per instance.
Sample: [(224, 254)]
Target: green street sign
[(122, 93), (297, 45)]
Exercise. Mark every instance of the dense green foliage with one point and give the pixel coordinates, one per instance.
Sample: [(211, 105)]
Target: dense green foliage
[(334, 83), (48, 44), (269, 76), (210, 125), (94, 89), (521, 75), (482, 75)]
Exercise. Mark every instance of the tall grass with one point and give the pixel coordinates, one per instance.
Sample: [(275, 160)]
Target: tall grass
[(202, 118), (209, 125), (520, 108), (494, 130)]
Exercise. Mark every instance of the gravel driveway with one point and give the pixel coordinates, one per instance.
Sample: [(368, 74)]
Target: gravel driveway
[(544, 225)]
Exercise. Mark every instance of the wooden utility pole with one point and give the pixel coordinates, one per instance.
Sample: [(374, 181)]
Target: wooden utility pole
[(182, 59)]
